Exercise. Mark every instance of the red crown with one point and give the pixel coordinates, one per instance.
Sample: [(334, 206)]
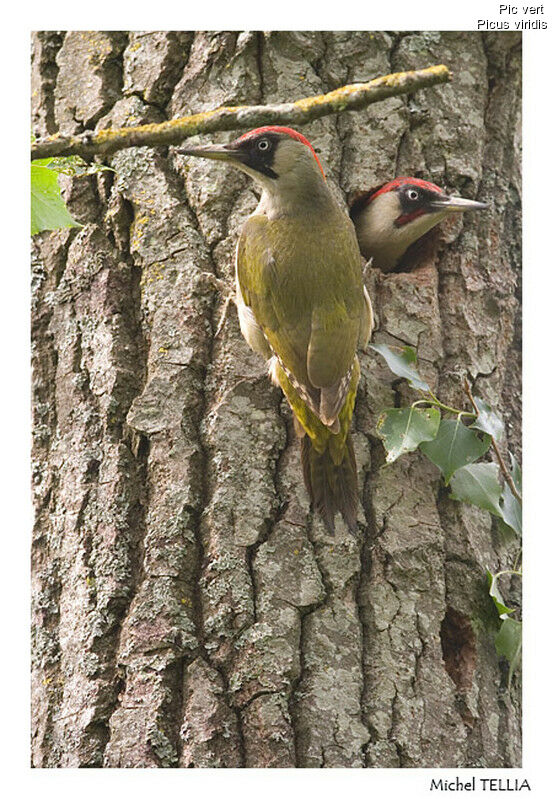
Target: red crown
[(289, 132), (393, 184)]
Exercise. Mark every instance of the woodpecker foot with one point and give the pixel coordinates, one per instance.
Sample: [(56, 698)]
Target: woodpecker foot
[(214, 282), (220, 286), (228, 299)]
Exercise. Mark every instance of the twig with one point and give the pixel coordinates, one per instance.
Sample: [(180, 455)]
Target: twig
[(439, 404), (506, 473), (347, 98)]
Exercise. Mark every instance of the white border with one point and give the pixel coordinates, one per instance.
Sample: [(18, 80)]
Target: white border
[(17, 515)]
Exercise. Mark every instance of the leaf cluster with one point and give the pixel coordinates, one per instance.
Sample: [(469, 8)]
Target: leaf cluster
[(452, 445), (442, 434)]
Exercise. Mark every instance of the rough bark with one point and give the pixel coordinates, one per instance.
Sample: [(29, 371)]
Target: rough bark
[(188, 610)]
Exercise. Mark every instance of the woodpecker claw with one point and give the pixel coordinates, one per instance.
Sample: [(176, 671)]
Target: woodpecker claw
[(228, 299)]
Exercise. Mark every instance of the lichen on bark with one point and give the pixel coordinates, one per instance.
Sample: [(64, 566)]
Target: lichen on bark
[(188, 609)]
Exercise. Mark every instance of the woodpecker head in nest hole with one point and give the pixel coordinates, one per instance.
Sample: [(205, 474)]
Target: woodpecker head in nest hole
[(391, 217)]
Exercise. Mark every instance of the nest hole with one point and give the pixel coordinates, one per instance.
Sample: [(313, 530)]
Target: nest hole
[(458, 649)]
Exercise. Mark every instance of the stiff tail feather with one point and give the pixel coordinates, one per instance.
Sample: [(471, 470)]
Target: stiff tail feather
[(332, 486)]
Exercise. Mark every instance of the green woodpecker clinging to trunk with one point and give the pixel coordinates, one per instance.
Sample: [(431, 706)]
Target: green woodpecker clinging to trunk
[(302, 303), (391, 217)]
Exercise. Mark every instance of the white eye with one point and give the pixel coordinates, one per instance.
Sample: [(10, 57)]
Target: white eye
[(263, 144), (412, 194)]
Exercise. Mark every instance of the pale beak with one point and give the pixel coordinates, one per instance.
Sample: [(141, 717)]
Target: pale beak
[(217, 152), (446, 203)]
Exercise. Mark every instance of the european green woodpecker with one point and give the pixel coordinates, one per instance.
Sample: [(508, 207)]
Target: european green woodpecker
[(390, 218), (302, 303)]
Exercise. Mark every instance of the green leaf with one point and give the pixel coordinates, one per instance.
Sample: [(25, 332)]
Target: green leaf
[(508, 642), (478, 484), (402, 363), (487, 420), (454, 447), (511, 510), (493, 586), (403, 429), (48, 210)]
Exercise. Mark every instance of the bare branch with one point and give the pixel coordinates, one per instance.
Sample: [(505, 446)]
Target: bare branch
[(347, 98)]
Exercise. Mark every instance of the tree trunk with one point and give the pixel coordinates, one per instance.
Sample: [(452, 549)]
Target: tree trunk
[(188, 609)]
